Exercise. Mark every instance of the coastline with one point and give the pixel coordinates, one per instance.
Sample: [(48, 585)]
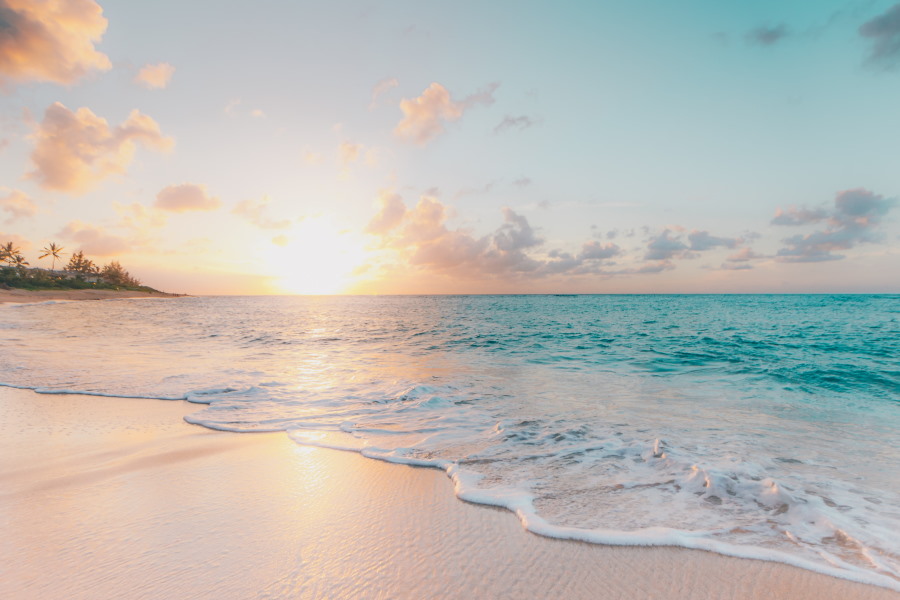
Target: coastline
[(114, 497), (16, 295)]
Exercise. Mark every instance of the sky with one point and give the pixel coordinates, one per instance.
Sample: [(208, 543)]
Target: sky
[(469, 147)]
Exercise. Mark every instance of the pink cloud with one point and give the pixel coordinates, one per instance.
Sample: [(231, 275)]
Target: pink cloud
[(50, 40), (186, 197), (390, 214), (138, 219), (422, 241), (255, 212), (155, 77), (94, 240), (18, 205), (18, 241), (424, 117), (74, 151)]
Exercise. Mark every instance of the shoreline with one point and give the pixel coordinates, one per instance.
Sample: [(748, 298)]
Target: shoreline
[(17, 295), (114, 497)]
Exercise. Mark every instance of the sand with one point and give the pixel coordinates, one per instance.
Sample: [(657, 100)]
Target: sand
[(18, 295), (119, 498)]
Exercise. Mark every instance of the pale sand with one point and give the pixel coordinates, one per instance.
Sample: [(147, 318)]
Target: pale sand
[(24, 296), (115, 498)]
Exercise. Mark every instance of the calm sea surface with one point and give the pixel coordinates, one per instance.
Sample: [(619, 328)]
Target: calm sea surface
[(759, 426)]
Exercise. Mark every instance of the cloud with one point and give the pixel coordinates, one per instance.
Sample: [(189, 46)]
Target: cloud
[(664, 247), (424, 117), (884, 33), (94, 240), (515, 233), (799, 216), (702, 240), (522, 182), (390, 213), (349, 153), (18, 241), (186, 197), (768, 36), (594, 250), (670, 243), (17, 204), (50, 41), (854, 220), (469, 191), (155, 77), (380, 88), (74, 151), (509, 122), (139, 219), (744, 255), (312, 158), (231, 108), (614, 233), (255, 211), (423, 241), (740, 260)]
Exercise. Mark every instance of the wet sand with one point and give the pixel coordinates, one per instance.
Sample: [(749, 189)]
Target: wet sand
[(120, 498)]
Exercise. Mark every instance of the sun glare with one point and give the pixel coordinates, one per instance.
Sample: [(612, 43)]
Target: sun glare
[(315, 258)]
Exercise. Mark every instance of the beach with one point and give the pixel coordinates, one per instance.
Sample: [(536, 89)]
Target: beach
[(120, 498), (15, 295)]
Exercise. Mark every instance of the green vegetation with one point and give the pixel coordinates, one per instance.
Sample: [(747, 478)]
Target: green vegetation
[(81, 273)]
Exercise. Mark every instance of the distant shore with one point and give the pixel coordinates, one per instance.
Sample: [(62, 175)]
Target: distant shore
[(16, 295)]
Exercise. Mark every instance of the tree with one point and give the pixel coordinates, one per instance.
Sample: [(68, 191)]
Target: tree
[(79, 264), (53, 251), (116, 274), (8, 251), (18, 261)]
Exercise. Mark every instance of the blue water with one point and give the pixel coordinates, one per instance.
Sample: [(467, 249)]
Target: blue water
[(760, 426)]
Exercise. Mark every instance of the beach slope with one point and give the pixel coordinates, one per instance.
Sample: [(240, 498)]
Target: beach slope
[(119, 498)]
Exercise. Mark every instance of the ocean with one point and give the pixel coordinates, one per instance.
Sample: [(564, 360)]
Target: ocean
[(762, 426)]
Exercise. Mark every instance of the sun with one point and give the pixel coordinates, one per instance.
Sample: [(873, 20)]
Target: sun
[(316, 257)]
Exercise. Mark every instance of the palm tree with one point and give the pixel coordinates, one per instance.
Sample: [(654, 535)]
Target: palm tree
[(8, 251), (18, 261), (53, 251)]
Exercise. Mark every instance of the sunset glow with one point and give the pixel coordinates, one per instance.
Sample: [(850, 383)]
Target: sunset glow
[(317, 258), (404, 148)]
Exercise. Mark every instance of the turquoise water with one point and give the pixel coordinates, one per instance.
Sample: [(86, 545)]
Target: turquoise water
[(761, 426)]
